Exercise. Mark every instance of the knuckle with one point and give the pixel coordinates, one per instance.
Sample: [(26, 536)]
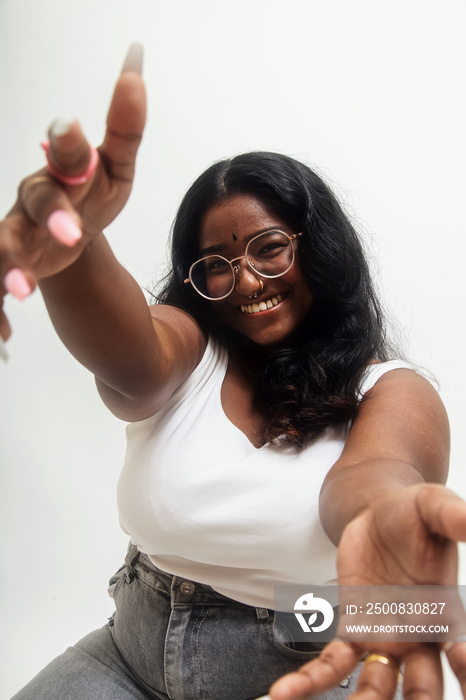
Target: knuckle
[(377, 686), (30, 188), (70, 164), (27, 182), (39, 195)]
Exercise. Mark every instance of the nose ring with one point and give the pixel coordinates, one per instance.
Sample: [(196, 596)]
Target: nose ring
[(256, 294)]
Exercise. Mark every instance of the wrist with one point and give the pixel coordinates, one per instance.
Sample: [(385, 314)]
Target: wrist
[(369, 485), (79, 272)]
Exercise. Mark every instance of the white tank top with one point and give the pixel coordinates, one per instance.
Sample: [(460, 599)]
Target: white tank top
[(203, 503)]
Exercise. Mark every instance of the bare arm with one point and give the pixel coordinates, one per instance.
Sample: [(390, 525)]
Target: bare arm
[(138, 355), (400, 437), (96, 307), (383, 503)]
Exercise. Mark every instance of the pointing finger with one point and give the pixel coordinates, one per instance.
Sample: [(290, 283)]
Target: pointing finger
[(126, 119)]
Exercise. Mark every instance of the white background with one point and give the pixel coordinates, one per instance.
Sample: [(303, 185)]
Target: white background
[(370, 92)]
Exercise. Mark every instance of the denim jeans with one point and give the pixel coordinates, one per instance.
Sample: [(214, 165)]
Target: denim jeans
[(173, 639)]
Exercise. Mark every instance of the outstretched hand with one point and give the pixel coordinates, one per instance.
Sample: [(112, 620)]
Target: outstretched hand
[(51, 222), (407, 537)]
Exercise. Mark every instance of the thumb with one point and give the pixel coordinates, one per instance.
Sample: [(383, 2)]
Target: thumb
[(443, 512)]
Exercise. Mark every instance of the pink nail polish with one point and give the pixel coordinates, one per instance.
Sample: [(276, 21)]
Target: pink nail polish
[(17, 284), (63, 227)]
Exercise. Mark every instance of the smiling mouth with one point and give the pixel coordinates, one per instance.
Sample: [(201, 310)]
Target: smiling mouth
[(262, 305)]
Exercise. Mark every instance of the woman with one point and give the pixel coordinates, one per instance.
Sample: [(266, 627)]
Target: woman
[(250, 455)]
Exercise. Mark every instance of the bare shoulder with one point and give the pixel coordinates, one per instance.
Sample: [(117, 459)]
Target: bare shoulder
[(403, 377), (402, 418), (164, 312), (180, 333), (178, 347), (406, 388)]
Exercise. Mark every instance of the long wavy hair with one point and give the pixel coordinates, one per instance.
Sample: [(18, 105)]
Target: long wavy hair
[(311, 382)]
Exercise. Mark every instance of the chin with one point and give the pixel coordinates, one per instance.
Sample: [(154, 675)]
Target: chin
[(272, 330), (267, 338)]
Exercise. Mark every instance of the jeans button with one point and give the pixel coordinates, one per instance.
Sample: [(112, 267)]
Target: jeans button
[(187, 588)]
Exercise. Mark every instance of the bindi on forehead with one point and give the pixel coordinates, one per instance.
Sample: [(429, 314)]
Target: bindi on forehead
[(235, 237)]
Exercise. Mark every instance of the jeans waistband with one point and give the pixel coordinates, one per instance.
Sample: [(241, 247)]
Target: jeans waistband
[(181, 591)]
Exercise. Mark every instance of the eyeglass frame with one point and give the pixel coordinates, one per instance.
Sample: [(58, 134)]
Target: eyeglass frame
[(236, 269)]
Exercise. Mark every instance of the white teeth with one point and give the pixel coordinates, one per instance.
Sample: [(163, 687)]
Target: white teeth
[(262, 305)]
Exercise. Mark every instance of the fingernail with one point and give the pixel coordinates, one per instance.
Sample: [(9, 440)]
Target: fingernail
[(3, 350), (60, 127), (63, 227), (17, 284), (134, 58)]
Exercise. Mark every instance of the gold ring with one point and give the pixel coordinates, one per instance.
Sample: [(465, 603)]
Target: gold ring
[(261, 287), (379, 658)]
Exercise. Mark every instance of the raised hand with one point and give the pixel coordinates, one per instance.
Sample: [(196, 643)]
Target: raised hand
[(407, 537), (52, 222)]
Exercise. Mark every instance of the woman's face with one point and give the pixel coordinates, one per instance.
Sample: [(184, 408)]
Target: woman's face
[(229, 226)]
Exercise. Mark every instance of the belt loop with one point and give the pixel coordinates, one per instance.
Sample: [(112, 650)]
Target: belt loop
[(133, 553), (262, 613)]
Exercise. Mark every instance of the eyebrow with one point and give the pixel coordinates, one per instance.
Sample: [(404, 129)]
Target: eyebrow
[(220, 247)]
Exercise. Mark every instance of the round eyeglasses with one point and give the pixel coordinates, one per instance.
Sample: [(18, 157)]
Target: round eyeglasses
[(269, 254)]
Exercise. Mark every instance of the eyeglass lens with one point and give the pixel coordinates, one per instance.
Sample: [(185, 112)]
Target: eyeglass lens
[(270, 254)]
